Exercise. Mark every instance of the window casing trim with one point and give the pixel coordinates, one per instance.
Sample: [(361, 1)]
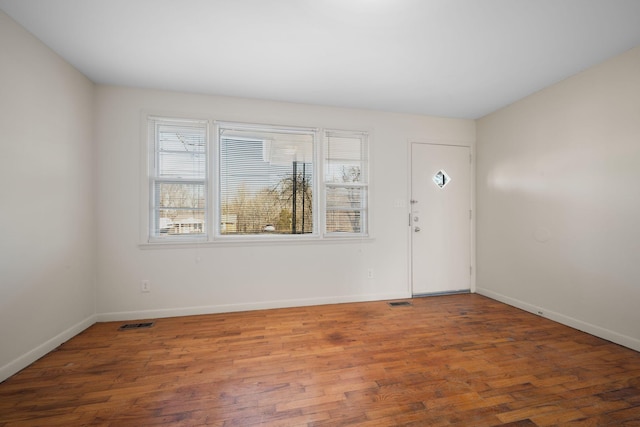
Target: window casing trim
[(211, 236), (218, 128), (364, 184), (153, 176)]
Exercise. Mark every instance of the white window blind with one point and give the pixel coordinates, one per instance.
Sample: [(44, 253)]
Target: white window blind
[(178, 181), (346, 182), (266, 181)]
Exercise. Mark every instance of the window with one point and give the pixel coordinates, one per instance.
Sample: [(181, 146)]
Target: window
[(441, 179), (266, 181), (178, 179), (255, 181), (345, 182)]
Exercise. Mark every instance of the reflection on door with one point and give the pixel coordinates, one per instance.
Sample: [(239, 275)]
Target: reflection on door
[(440, 218)]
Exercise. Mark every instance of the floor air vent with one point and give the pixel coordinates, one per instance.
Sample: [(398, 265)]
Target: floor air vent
[(128, 326), (399, 303)]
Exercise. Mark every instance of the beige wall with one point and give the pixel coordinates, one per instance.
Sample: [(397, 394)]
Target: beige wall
[(558, 198), (71, 209), (229, 277), (47, 239), (557, 189)]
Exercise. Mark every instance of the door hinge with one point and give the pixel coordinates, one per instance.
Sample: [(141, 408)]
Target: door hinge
[(470, 271)]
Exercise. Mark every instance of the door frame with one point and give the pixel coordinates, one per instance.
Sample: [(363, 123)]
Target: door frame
[(472, 203)]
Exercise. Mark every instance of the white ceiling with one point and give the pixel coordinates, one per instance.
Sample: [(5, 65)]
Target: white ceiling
[(451, 58)]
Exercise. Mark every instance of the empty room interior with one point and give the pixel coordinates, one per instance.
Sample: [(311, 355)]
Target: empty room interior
[(331, 213)]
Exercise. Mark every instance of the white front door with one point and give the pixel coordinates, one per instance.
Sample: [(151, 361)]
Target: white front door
[(440, 218)]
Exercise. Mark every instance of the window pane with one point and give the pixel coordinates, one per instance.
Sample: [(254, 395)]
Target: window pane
[(344, 147), (181, 138), (181, 151), (344, 159), (345, 197), (336, 171), (345, 177), (266, 182), (344, 221), (182, 165), (180, 221), (180, 195), (179, 177)]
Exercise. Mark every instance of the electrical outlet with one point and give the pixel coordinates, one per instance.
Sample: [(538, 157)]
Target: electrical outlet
[(370, 273), (145, 286)]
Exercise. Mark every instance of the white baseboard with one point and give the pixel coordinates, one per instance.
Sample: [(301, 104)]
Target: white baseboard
[(609, 335), (229, 308), (28, 358)]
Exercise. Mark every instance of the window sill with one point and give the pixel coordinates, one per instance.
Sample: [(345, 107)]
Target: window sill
[(252, 241)]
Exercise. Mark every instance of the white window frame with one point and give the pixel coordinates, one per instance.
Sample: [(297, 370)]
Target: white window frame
[(364, 185), (211, 234), (153, 123), (237, 126)]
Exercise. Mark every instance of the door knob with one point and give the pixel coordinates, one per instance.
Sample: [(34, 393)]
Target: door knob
[(416, 229)]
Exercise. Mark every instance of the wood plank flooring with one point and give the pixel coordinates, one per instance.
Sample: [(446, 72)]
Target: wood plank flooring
[(459, 360)]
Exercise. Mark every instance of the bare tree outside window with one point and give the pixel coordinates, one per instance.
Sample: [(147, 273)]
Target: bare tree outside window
[(266, 184)]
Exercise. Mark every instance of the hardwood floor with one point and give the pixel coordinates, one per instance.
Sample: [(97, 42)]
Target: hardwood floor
[(459, 360)]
